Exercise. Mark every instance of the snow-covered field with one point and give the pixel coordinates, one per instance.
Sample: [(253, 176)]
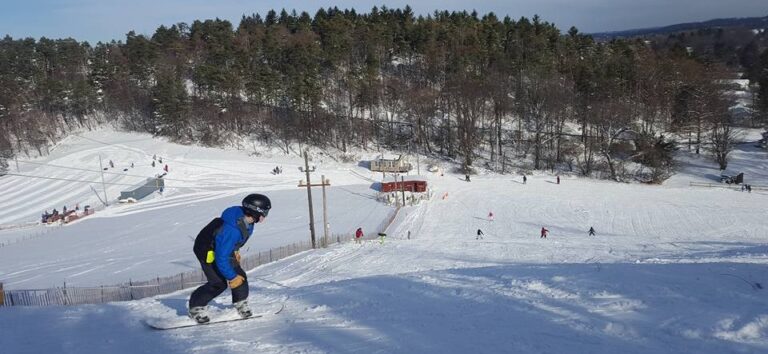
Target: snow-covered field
[(154, 237), (673, 268)]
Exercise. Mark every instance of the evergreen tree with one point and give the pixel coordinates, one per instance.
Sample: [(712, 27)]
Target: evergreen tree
[(761, 104), (171, 107)]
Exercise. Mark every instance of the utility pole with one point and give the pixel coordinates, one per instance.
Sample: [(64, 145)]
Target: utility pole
[(309, 198), (324, 183), (103, 185), (309, 186), (402, 187)]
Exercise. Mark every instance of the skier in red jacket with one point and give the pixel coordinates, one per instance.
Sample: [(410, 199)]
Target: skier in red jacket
[(359, 235), (544, 233)]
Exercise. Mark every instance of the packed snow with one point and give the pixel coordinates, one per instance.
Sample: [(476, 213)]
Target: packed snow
[(672, 268)]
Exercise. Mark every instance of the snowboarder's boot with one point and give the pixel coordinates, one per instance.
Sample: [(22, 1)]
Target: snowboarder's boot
[(243, 309), (199, 314)]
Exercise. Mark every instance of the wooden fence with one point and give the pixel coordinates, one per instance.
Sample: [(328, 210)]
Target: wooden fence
[(133, 290), (736, 187), (157, 286)]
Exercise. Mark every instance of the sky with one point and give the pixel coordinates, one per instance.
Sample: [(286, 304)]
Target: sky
[(105, 20)]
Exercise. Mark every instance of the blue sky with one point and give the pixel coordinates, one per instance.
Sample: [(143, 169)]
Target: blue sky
[(104, 20)]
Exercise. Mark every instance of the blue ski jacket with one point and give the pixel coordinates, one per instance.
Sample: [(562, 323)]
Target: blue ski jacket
[(234, 234)]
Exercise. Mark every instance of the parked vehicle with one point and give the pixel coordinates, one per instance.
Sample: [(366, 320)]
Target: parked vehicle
[(730, 179)]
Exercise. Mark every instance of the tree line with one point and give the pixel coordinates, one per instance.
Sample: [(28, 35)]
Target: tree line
[(481, 90)]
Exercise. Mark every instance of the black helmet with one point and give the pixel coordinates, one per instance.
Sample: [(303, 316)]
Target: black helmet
[(257, 205)]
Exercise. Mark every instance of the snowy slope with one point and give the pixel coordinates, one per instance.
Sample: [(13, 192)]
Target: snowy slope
[(154, 237), (672, 269), (191, 169)]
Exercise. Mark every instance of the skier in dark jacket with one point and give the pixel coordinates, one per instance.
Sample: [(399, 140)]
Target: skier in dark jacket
[(479, 234), (217, 248), (591, 231)]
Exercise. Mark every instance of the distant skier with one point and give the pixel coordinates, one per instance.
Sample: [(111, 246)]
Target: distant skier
[(359, 235), (466, 178), (490, 216), (544, 232), (153, 163), (558, 179), (111, 164), (591, 231), (479, 234), (217, 249), (525, 179), (165, 168)]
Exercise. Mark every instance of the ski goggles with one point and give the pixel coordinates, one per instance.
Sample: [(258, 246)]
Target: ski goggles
[(259, 211)]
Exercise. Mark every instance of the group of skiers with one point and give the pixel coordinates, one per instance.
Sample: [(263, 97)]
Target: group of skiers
[(154, 159), (159, 160), (55, 215), (544, 233), (746, 187), (525, 179), (277, 170)]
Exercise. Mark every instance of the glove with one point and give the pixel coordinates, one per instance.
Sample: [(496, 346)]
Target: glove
[(237, 281), (237, 256)]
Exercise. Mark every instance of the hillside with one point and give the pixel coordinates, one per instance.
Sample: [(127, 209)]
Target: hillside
[(672, 269), (746, 22)]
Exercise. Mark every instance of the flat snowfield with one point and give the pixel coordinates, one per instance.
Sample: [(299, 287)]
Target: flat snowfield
[(672, 269)]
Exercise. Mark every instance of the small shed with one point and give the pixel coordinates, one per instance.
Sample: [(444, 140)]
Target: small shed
[(400, 164), (410, 186), (142, 190)]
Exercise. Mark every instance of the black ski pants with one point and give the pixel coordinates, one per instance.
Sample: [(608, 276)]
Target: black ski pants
[(216, 285)]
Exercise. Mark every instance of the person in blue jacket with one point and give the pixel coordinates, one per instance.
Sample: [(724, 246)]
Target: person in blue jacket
[(217, 248)]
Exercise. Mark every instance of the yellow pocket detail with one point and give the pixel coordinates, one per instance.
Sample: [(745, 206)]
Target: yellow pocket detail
[(209, 257)]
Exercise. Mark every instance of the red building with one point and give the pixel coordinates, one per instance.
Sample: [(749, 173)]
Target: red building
[(410, 186)]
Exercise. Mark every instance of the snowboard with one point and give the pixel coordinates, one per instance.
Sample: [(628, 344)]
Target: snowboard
[(221, 317)]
